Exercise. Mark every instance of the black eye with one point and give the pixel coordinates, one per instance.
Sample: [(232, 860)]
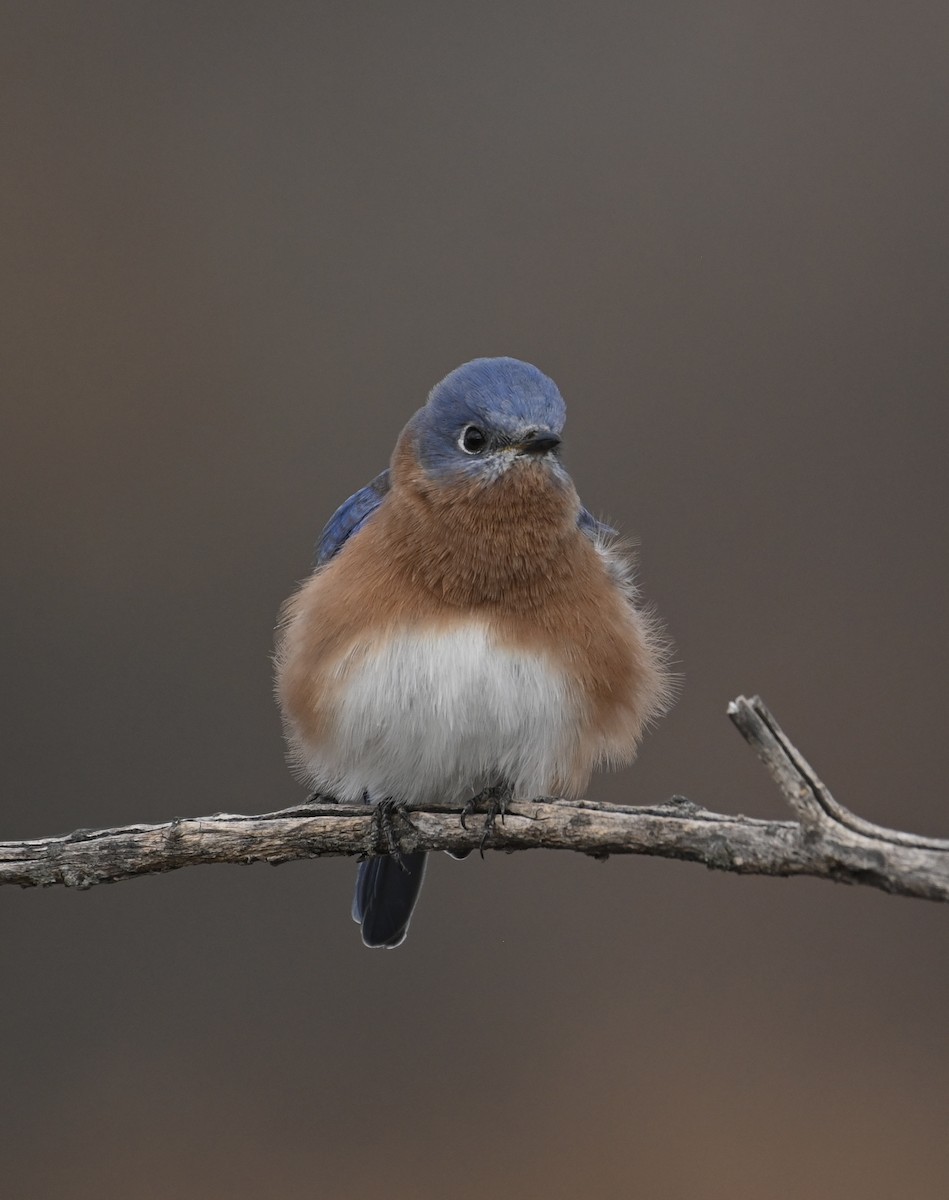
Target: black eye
[(473, 440)]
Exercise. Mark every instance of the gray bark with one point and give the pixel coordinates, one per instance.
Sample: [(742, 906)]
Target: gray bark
[(826, 840)]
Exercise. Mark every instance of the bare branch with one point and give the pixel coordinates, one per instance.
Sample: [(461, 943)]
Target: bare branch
[(827, 841)]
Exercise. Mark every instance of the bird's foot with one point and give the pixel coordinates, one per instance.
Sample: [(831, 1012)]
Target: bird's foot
[(383, 815), (495, 800), (319, 798)]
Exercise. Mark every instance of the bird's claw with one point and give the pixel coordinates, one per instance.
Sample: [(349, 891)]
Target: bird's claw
[(385, 827), (496, 800)]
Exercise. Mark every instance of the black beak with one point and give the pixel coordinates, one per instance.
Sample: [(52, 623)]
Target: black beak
[(541, 441)]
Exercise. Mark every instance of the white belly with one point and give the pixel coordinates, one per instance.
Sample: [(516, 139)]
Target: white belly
[(439, 717)]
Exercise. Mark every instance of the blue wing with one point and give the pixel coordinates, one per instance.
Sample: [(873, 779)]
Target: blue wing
[(594, 529), (350, 517)]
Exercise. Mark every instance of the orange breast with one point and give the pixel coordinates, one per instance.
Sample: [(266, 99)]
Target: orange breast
[(508, 552)]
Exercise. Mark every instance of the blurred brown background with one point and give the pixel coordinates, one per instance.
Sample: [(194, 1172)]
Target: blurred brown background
[(239, 244)]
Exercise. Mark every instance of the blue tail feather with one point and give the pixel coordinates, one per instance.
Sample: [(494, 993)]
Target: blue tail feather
[(386, 893)]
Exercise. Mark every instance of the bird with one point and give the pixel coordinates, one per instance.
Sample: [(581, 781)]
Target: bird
[(470, 629)]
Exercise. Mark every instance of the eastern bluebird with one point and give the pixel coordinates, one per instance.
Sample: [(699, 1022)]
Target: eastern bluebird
[(469, 627)]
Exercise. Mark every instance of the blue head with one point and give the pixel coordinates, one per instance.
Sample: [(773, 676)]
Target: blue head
[(487, 415)]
